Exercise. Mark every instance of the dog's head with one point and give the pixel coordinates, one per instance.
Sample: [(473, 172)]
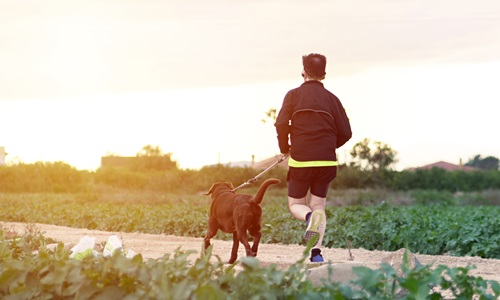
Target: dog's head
[(219, 187)]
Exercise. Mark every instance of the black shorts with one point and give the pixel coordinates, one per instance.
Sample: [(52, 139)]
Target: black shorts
[(317, 179)]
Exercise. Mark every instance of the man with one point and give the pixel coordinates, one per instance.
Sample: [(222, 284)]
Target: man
[(316, 123)]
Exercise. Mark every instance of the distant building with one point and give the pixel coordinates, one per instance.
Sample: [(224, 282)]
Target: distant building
[(446, 166), (3, 154)]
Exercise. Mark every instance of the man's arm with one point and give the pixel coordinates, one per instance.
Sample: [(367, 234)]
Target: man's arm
[(283, 125), (344, 132)]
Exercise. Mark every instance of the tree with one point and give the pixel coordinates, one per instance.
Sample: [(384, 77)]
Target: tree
[(487, 163), (149, 150), (271, 114), (373, 156)]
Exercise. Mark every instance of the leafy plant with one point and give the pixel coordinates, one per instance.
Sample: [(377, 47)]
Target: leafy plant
[(51, 274)]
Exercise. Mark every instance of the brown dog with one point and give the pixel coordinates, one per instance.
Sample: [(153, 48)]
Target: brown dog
[(236, 214)]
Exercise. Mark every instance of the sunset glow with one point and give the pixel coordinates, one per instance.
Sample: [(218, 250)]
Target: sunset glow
[(84, 79)]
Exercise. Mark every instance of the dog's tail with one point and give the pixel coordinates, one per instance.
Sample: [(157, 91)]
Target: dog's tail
[(257, 199)]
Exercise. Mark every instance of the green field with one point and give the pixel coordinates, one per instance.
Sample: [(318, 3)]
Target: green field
[(427, 229)]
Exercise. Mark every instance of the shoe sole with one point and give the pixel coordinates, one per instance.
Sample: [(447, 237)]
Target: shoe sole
[(313, 228)]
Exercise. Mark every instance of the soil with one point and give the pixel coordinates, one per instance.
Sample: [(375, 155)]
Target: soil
[(155, 246)]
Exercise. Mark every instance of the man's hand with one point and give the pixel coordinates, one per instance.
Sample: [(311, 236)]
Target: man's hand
[(284, 156)]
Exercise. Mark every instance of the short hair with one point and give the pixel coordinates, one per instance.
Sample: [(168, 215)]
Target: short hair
[(314, 65)]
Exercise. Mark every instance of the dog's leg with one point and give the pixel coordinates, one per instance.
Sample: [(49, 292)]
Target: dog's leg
[(242, 235), (211, 231), (255, 232), (234, 251)]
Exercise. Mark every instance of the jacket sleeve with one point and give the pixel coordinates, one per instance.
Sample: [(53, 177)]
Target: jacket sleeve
[(344, 132), (283, 124)]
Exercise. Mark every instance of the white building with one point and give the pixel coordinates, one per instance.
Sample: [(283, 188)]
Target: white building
[(2, 156)]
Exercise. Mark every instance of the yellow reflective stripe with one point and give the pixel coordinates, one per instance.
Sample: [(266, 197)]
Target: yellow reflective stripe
[(313, 163)]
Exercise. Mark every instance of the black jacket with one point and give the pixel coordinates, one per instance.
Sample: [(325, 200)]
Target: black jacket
[(316, 122)]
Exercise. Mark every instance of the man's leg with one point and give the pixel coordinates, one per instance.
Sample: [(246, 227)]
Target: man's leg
[(319, 189), (298, 207), (318, 204)]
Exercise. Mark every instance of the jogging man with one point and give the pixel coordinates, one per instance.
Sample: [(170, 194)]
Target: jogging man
[(315, 122)]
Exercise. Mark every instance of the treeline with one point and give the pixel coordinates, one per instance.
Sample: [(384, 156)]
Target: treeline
[(420, 179), (62, 178)]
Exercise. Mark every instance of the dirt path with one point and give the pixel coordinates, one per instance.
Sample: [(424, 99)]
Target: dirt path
[(155, 246)]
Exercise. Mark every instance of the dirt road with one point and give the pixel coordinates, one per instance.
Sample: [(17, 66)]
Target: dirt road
[(155, 246)]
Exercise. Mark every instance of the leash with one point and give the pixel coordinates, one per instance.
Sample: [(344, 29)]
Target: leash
[(256, 177)]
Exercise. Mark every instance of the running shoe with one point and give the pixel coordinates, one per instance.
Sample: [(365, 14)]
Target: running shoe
[(313, 223), (316, 255)]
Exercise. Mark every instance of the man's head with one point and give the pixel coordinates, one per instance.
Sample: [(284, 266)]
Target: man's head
[(314, 65)]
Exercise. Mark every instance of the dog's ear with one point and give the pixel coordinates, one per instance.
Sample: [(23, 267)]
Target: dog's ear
[(210, 190), (229, 185)]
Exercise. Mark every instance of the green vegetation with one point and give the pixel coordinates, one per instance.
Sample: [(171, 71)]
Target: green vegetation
[(486, 163), (427, 229), (372, 155), (42, 177), (459, 231), (50, 274), (433, 179), (61, 178)]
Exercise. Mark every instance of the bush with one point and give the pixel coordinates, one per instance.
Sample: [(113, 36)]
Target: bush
[(428, 197), (56, 177), (62, 178), (441, 180)]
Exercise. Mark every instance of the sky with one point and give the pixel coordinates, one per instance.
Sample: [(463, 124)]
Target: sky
[(84, 79)]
